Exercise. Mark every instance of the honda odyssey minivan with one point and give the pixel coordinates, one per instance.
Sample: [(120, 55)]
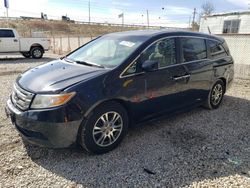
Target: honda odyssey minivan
[(92, 95)]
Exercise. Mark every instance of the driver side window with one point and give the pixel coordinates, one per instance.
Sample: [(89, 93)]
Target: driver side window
[(162, 51)]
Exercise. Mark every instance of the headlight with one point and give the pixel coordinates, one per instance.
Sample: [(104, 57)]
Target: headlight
[(49, 101)]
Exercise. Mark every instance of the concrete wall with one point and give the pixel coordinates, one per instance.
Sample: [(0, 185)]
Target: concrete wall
[(239, 46), (62, 45), (216, 23)]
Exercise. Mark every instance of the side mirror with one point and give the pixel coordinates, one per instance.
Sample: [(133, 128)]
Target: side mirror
[(150, 65)]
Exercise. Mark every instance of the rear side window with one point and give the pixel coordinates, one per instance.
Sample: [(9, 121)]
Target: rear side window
[(216, 49), (4, 33), (193, 49)]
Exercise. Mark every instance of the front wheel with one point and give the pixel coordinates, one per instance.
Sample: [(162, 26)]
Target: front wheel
[(36, 52), (215, 95), (104, 129)]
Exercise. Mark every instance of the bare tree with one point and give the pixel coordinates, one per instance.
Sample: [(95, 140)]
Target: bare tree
[(207, 8)]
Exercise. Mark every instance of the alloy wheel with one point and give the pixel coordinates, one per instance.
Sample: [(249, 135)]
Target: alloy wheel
[(217, 94), (107, 128)]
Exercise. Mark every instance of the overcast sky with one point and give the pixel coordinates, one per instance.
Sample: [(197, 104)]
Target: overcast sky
[(175, 12)]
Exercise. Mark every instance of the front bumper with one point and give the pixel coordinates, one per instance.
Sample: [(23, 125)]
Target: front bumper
[(53, 131)]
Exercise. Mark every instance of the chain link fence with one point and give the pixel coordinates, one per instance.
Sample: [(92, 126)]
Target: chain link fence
[(239, 45)]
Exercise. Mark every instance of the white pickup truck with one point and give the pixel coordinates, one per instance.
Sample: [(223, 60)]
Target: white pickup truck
[(10, 42)]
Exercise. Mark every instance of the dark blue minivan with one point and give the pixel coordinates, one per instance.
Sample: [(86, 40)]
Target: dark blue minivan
[(93, 94)]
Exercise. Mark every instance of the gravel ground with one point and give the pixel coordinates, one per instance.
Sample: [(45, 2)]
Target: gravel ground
[(15, 64), (200, 148)]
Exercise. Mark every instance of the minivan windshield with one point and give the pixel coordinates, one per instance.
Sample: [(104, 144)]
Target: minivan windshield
[(107, 51)]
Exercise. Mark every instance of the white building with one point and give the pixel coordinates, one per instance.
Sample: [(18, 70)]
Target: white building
[(223, 23)]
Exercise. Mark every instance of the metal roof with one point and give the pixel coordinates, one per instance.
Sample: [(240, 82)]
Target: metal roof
[(247, 12)]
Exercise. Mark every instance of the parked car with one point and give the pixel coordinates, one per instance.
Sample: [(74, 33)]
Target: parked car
[(10, 42), (92, 95)]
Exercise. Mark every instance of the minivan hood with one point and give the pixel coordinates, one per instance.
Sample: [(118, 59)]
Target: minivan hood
[(56, 75)]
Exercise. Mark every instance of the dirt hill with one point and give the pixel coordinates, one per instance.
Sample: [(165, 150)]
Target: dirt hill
[(63, 28)]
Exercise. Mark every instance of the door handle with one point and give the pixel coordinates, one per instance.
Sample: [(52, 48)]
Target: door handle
[(186, 76), (15, 40), (176, 78)]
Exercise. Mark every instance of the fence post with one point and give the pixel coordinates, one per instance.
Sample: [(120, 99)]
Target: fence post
[(69, 49), (60, 49), (54, 45), (79, 41)]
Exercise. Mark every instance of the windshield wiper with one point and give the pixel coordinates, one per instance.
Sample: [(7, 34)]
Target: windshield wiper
[(89, 64), (68, 60), (84, 63)]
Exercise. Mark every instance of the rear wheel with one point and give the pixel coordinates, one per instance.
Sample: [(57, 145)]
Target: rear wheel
[(215, 95), (26, 54), (104, 128), (36, 52)]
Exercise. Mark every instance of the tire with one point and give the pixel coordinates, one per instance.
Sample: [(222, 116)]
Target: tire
[(215, 96), (36, 52), (26, 54), (96, 135)]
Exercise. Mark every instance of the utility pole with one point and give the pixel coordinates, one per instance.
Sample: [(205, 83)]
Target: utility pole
[(89, 11), (148, 18), (123, 20), (189, 23), (7, 12), (194, 14), (121, 16), (6, 4)]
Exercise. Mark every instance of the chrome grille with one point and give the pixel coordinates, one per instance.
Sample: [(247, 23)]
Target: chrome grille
[(21, 98)]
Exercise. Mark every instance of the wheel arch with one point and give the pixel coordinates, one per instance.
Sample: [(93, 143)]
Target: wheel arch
[(36, 45), (120, 101), (224, 82)]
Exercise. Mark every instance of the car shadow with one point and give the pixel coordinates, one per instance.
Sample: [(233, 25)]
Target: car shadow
[(171, 152)]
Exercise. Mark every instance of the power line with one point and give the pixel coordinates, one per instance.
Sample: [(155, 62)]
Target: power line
[(101, 18), (57, 16), (96, 6), (109, 5), (104, 5)]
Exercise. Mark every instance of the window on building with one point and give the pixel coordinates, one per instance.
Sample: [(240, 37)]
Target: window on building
[(193, 49), (231, 26)]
